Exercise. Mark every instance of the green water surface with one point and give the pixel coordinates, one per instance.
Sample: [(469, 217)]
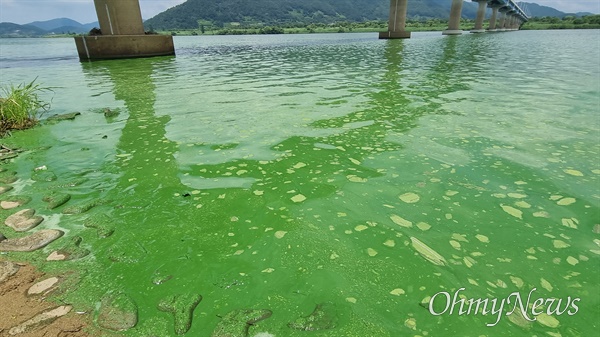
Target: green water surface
[(284, 172)]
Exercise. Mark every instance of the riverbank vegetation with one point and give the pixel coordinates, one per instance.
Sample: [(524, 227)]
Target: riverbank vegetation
[(415, 24), (206, 28), (299, 28), (21, 106), (567, 22)]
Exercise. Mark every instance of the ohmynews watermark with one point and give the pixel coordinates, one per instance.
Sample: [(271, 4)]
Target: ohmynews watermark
[(496, 307)]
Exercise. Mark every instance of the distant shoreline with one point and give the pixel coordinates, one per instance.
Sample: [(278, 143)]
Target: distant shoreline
[(544, 23), (250, 32)]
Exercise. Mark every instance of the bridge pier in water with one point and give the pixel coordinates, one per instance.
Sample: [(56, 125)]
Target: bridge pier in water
[(122, 34), (502, 19), (454, 22), (509, 19), (510, 23), (494, 18), (480, 16), (397, 21)]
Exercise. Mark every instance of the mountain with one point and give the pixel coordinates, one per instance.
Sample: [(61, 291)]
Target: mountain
[(41, 28), (535, 10), (64, 25), (9, 29), (68, 30), (272, 12), (55, 23)]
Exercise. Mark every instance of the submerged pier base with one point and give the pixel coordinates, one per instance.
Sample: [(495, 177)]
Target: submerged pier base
[(105, 47), (122, 34), (397, 21)]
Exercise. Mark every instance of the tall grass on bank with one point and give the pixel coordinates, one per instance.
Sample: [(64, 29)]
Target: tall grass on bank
[(21, 106)]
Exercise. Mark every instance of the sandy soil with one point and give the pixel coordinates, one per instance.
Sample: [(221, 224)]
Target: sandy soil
[(16, 307)]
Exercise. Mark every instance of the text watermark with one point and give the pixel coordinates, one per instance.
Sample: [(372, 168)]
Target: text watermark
[(500, 306)]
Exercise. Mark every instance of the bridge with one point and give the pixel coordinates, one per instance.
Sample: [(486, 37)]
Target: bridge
[(506, 15), (122, 30)]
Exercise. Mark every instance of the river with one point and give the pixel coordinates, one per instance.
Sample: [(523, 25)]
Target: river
[(360, 176)]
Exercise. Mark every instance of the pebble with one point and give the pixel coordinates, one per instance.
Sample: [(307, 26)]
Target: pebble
[(322, 318), (40, 320), (9, 204), (70, 251), (117, 312), (31, 242), (238, 322), (7, 269), (23, 220), (20, 216), (44, 286), (43, 175), (78, 209), (55, 256), (63, 117), (8, 178), (182, 307), (28, 224), (4, 189), (99, 222), (56, 199)]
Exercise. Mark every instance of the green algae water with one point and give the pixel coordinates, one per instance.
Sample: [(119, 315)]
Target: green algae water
[(347, 186)]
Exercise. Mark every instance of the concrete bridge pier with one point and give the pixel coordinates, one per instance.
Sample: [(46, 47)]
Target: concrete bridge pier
[(502, 19), (509, 19), (494, 18), (480, 16), (122, 34), (454, 22), (510, 15), (397, 21), (513, 19), (517, 23)]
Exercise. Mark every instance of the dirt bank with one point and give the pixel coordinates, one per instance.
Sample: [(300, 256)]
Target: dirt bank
[(17, 308)]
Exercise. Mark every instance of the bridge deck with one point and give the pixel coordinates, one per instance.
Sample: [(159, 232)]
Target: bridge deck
[(510, 5)]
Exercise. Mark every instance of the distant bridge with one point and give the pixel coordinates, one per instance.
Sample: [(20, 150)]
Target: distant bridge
[(506, 15)]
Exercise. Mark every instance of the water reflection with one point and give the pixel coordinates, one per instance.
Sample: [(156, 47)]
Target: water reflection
[(144, 155)]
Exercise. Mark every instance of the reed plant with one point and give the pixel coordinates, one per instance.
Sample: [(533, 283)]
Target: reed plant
[(21, 106)]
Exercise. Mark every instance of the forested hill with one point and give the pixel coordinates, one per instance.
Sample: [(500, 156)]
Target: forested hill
[(277, 12)]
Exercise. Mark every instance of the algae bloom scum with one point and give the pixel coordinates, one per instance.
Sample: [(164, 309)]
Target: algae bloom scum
[(323, 185)]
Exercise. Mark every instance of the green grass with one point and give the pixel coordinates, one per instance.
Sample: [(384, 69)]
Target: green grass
[(21, 106)]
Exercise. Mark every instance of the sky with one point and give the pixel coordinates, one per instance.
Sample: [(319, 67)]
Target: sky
[(26, 11)]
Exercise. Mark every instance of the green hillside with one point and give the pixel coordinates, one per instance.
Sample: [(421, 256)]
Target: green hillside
[(285, 12), (8, 29)]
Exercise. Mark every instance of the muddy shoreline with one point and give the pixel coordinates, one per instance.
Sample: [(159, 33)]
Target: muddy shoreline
[(24, 305)]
